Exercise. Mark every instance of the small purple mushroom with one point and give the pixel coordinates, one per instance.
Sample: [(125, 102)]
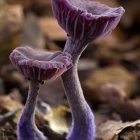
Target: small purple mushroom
[(36, 66), (84, 21)]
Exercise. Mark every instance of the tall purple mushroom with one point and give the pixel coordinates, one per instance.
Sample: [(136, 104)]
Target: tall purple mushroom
[(36, 66), (84, 21)]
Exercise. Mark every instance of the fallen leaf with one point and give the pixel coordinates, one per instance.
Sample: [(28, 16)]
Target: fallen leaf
[(113, 130)]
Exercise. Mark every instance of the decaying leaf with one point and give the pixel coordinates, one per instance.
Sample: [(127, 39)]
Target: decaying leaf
[(113, 130)]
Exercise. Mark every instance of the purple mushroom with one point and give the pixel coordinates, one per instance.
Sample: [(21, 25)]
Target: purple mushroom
[(36, 66), (84, 21)]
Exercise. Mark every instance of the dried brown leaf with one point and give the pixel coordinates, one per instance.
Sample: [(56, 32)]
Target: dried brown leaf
[(113, 130)]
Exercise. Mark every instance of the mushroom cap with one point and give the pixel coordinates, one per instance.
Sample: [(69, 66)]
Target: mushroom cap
[(86, 20), (40, 65)]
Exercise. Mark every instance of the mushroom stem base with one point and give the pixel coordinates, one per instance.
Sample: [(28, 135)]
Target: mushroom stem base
[(27, 129), (83, 125)]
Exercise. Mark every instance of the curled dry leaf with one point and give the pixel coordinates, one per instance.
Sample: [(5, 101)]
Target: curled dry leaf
[(113, 130)]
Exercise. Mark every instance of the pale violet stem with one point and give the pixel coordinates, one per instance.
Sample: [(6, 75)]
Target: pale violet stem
[(27, 129), (75, 48), (83, 125), (29, 108)]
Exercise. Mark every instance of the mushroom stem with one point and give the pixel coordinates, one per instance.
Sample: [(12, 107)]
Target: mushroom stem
[(75, 48), (83, 126), (29, 108), (27, 129)]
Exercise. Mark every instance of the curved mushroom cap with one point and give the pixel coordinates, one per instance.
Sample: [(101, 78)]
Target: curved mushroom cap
[(40, 65), (86, 20)]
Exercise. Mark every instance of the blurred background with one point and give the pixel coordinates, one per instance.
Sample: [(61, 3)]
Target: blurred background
[(109, 71)]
